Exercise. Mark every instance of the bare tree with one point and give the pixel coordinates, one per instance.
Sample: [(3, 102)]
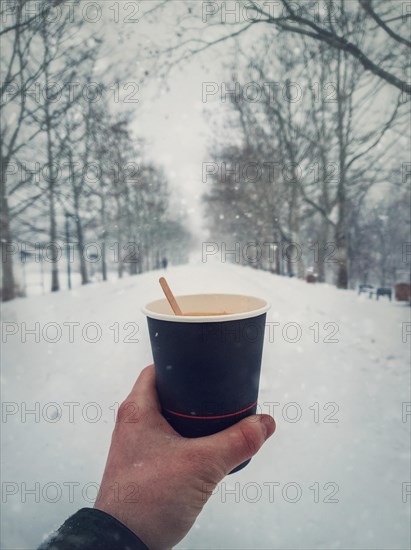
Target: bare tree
[(38, 67), (383, 48), (332, 158), (16, 77)]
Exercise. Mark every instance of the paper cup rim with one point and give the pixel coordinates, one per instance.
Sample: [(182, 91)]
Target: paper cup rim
[(206, 318)]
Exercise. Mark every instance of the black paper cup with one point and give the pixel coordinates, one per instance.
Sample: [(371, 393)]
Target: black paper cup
[(207, 366)]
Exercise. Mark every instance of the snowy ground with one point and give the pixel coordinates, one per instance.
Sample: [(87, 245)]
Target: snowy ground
[(334, 475)]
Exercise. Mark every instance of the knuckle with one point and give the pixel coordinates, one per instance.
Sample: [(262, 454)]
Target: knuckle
[(128, 411)]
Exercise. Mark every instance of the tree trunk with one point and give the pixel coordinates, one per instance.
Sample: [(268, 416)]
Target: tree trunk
[(342, 260), (103, 237), (278, 265), (80, 241), (321, 271), (8, 284), (79, 225), (340, 234), (119, 221), (120, 268), (135, 258), (55, 286), (294, 205), (103, 258), (342, 246)]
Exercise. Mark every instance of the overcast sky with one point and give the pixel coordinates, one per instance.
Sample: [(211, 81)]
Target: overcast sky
[(170, 114)]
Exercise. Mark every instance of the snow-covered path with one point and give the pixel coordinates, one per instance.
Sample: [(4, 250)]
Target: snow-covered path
[(336, 473)]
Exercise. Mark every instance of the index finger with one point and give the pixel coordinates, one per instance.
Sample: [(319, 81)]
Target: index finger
[(144, 392)]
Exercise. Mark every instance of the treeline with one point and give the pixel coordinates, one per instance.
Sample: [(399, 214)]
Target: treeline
[(311, 164), (69, 159), (309, 170)]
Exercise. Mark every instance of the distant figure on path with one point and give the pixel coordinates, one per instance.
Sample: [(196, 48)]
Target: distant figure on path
[(164, 262)]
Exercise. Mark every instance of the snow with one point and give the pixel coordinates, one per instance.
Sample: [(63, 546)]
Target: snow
[(359, 458)]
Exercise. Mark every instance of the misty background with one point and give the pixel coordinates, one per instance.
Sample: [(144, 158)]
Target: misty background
[(142, 132)]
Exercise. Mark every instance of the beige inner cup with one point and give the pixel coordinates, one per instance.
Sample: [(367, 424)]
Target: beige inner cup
[(212, 307)]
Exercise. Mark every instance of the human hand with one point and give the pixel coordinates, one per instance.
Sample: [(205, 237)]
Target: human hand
[(156, 482)]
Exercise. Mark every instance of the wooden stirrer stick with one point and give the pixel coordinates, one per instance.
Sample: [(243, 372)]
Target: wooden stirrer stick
[(170, 296)]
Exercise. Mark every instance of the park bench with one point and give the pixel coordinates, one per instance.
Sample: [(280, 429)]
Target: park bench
[(365, 288), (384, 291), (372, 291)]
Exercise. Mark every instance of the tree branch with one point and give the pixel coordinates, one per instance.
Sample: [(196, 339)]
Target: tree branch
[(366, 6)]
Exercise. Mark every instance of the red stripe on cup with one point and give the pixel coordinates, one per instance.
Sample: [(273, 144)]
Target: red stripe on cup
[(193, 416)]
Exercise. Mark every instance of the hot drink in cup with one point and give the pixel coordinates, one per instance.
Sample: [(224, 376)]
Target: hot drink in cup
[(207, 360)]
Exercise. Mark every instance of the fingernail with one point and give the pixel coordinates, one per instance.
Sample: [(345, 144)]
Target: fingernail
[(269, 424)]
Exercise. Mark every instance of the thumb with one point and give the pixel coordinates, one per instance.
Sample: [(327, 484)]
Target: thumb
[(241, 441)]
